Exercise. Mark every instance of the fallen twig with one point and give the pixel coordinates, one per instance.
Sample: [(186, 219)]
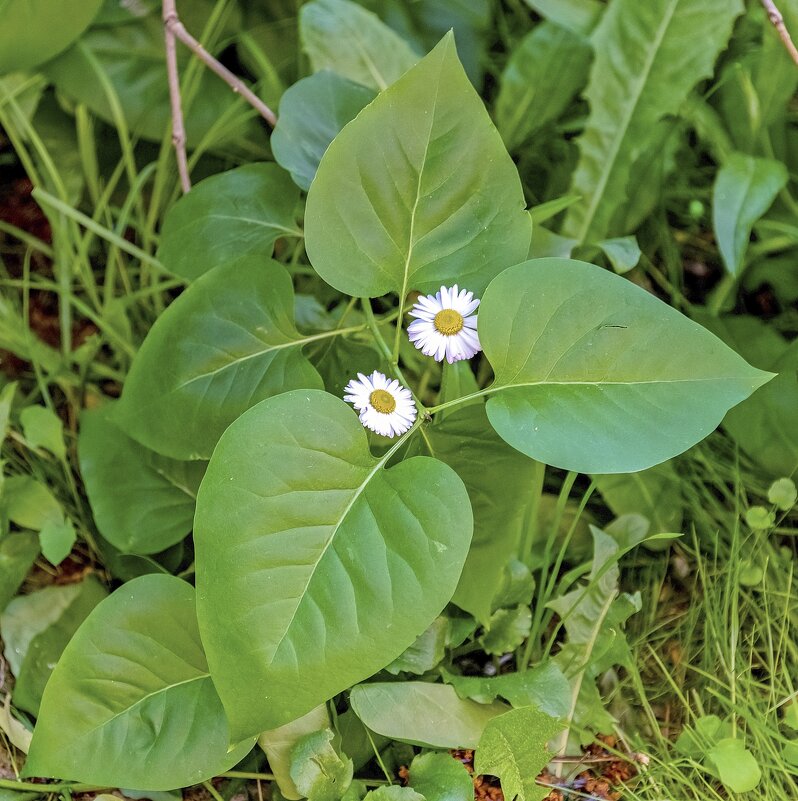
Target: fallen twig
[(778, 23)]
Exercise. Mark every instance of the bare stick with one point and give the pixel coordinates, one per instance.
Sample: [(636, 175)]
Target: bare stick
[(778, 23), (178, 127), (176, 28)]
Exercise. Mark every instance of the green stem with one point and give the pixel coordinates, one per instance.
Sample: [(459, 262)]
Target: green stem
[(35, 787), (457, 401)]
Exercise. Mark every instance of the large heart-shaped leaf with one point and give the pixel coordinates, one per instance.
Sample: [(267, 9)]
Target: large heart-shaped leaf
[(226, 343), (316, 566), (596, 375), (142, 502), (418, 190), (229, 217), (134, 681)]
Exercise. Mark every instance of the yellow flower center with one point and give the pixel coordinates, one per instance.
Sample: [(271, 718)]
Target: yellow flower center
[(382, 401), (449, 322)]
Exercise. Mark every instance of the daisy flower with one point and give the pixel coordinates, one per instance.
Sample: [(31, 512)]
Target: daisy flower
[(445, 325), (384, 406)]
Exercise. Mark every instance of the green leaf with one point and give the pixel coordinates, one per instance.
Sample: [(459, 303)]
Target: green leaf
[(497, 478), (513, 747), (506, 630), (694, 741), (153, 697), (230, 217), (312, 113), (579, 16), (318, 771), (30, 504), (622, 252), (43, 428), (17, 733), (17, 554), (34, 31), (142, 502), (37, 627), (744, 190), (439, 777), (426, 652), (736, 766), (783, 494), (429, 715), (6, 402), (437, 201), (316, 566), (57, 538), (759, 518), (545, 72), (648, 58), (278, 743), (226, 343), (393, 793), (596, 375), (129, 61), (544, 686), (655, 493), (346, 38)]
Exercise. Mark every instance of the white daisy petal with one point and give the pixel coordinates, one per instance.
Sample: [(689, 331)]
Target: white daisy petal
[(445, 325), (384, 405)]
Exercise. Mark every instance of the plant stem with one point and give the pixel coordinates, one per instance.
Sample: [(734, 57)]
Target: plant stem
[(777, 20), (178, 126), (35, 787)]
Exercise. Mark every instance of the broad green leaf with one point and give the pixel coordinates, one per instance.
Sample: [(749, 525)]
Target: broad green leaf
[(278, 743), (623, 253), (344, 37), (579, 16), (142, 502), (513, 747), (318, 771), (37, 627), (594, 374), (498, 479), (544, 686), (426, 652), (56, 539), (34, 31), (311, 114), (506, 630), (230, 217), (545, 244), (134, 680), (43, 428), (129, 61), (17, 554), (745, 188), (226, 343), (440, 777), (545, 72), (417, 191), (30, 504), (655, 493), (648, 58), (357, 742), (393, 793), (736, 766), (316, 566), (429, 715), (694, 741)]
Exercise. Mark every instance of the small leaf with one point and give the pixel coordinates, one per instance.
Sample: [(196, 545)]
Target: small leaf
[(745, 188), (513, 747), (579, 16), (393, 793), (783, 494), (228, 218), (43, 428), (226, 343), (30, 504), (37, 627), (571, 345), (736, 766), (439, 777), (429, 715), (278, 744), (57, 538), (312, 113), (17, 734), (17, 554), (694, 741), (623, 253), (97, 710), (507, 629), (324, 563), (437, 201), (759, 518), (426, 652), (318, 771), (142, 502), (346, 38)]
